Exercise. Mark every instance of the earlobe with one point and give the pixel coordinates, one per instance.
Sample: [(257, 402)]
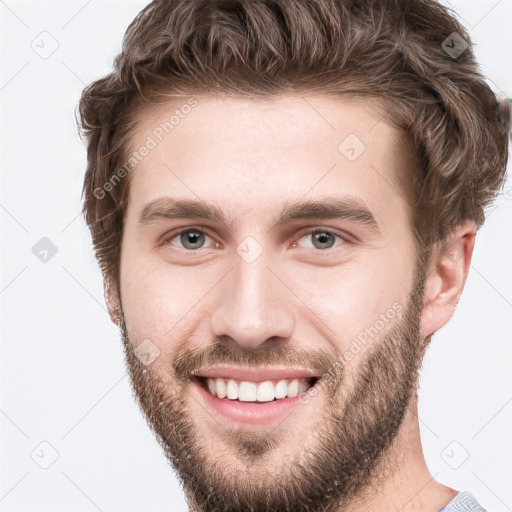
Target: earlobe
[(446, 278), (112, 301)]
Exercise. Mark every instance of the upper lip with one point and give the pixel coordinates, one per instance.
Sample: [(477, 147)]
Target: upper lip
[(255, 374)]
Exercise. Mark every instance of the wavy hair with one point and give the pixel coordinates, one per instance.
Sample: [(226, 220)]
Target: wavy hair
[(395, 52)]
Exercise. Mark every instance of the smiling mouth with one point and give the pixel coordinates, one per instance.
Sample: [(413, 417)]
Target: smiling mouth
[(255, 392)]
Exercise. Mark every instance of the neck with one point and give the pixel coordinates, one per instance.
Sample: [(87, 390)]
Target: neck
[(410, 486)]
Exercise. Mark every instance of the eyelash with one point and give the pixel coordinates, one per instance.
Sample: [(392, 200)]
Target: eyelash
[(345, 239)]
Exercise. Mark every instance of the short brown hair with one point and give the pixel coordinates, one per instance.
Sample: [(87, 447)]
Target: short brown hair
[(391, 51)]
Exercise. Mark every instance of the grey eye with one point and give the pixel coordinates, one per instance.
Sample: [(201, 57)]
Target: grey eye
[(323, 240), (192, 239), (319, 240)]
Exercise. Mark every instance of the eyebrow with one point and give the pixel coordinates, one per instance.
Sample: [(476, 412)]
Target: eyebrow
[(345, 207)]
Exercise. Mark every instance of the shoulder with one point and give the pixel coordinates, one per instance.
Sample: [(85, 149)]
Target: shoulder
[(464, 501)]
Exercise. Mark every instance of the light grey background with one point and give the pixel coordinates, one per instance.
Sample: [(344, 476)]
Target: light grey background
[(63, 379)]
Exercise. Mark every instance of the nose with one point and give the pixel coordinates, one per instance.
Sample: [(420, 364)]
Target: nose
[(253, 305)]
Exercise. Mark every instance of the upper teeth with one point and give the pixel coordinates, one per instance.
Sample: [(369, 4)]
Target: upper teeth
[(246, 391)]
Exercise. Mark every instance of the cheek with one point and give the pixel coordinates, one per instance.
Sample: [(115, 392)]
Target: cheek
[(159, 301), (358, 302)]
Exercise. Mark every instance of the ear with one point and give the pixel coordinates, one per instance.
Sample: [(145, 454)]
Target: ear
[(112, 300), (446, 277)]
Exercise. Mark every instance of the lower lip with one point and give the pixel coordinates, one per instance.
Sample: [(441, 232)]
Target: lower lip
[(263, 413)]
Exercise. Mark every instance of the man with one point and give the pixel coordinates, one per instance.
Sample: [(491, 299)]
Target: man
[(283, 198)]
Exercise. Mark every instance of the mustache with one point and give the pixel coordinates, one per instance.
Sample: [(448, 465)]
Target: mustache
[(225, 350)]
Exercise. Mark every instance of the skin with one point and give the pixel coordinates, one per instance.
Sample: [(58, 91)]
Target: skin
[(249, 158)]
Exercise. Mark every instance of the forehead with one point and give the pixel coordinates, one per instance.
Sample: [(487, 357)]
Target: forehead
[(254, 155)]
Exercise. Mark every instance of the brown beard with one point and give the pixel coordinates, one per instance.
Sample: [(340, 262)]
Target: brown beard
[(350, 453)]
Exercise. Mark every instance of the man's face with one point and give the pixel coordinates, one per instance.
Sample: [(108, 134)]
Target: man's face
[(266, 298)]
